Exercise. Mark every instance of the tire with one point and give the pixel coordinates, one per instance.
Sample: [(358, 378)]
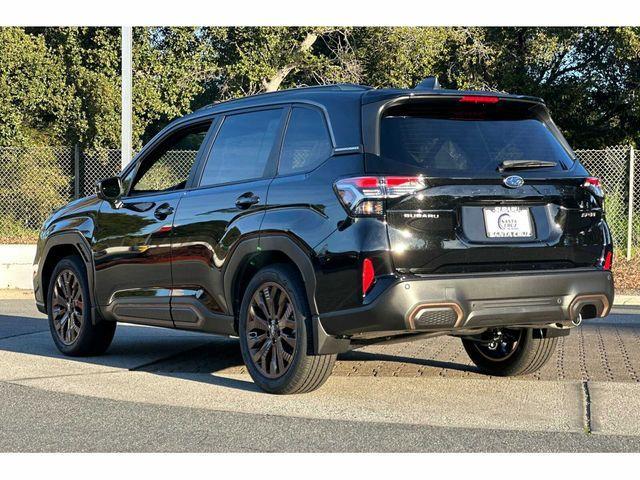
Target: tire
[(84, 338), (283, 369), (529, 355)]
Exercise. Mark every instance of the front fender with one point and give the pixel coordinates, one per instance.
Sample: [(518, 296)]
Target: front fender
[(76, 234)]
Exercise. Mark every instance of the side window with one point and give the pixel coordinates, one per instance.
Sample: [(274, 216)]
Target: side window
[(306, 143), (168, 167), (242, 147)]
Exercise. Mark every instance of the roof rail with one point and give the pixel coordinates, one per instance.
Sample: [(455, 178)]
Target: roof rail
[(333, 87)]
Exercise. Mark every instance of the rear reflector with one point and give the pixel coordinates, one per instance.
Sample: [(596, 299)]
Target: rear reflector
[(368, 276), (479, 99)]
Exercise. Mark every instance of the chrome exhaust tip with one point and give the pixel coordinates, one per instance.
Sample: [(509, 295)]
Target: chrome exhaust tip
[(577, 320)]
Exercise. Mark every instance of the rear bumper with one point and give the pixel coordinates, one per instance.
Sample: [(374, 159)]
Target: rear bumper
[(461, 302)]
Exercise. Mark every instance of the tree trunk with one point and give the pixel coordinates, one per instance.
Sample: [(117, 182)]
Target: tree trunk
[(273, 83)]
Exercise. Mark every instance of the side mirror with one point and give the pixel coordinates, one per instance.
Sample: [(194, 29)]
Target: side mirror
[(110, 189)]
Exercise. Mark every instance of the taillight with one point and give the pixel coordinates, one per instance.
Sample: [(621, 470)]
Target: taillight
[(368, 276), (608, 261), (365, 196), (594, 186), (479, 99)]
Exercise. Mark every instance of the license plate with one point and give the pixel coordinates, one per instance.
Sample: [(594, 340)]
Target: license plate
[(508, 222)]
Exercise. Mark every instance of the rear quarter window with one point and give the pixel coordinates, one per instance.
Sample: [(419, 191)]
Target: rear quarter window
[(306, 144)]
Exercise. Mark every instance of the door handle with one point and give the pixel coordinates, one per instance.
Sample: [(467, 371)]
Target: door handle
[(247, 200), (163, 211)]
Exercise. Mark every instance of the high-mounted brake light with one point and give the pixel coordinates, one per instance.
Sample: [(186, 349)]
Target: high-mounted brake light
[(594, 185), (479, 99), (368, 276), (365, 196)]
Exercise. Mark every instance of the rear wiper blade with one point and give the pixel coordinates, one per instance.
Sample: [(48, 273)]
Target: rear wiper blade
[(523, 164)]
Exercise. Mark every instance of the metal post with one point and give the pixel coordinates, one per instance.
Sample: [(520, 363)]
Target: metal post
[(632, 161), (76, 172), (126, 115)]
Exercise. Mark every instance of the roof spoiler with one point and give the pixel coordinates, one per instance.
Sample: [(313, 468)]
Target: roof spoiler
[(429, 83)]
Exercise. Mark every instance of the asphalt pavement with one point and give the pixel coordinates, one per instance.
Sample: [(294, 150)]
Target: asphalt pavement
[(166, 390)]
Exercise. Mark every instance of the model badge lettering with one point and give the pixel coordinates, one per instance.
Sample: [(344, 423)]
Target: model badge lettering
[(421, 215)]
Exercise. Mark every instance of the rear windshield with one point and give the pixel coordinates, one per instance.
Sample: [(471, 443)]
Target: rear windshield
[(468, 139)]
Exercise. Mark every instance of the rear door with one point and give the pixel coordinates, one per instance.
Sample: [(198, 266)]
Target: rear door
[(226, 206), (472, 217)]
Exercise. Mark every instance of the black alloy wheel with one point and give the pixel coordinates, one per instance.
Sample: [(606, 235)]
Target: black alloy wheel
[(67, 306), (271, 330), (76, 328), (502, 344), (275, 329)]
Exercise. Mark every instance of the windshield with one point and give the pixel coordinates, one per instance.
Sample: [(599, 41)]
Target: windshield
[(468, 139)]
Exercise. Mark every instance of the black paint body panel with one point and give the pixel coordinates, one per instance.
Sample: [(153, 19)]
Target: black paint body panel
[(183, 270)]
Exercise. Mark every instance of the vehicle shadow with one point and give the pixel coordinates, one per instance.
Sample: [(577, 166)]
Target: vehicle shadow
[(190, 356), (363, 356), (186, 355), (134, 348)]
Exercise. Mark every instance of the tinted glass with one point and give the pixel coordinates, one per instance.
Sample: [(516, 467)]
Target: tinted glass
[(462, 143), (168, 167), (242, 147), (306, 143)]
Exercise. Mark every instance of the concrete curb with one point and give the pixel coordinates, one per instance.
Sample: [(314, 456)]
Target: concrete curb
[(15, 294), (16, 266), (628, 300)]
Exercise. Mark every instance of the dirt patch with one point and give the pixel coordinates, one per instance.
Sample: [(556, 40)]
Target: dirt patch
[(626, 275)]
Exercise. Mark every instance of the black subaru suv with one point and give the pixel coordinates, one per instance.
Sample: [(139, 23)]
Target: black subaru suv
[(313, 221)]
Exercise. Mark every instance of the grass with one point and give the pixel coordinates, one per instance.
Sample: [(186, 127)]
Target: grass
[(618, 219), (12, 231)]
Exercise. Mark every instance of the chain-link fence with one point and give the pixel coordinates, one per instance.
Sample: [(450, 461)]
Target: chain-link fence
[(35, 181), (616, 170), (94, 166)]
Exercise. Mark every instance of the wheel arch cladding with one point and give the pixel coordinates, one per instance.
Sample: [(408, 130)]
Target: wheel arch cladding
[(61, 246), (253, 254)]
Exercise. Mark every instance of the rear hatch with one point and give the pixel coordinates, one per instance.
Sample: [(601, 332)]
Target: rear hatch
[(471, 217)]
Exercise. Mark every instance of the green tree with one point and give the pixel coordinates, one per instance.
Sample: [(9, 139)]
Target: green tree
[(34, 97), (174, 73), (180, 69), (264, 59), (58, 86), (91, 59), (399, 57), (589, 77), (62, 85)]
